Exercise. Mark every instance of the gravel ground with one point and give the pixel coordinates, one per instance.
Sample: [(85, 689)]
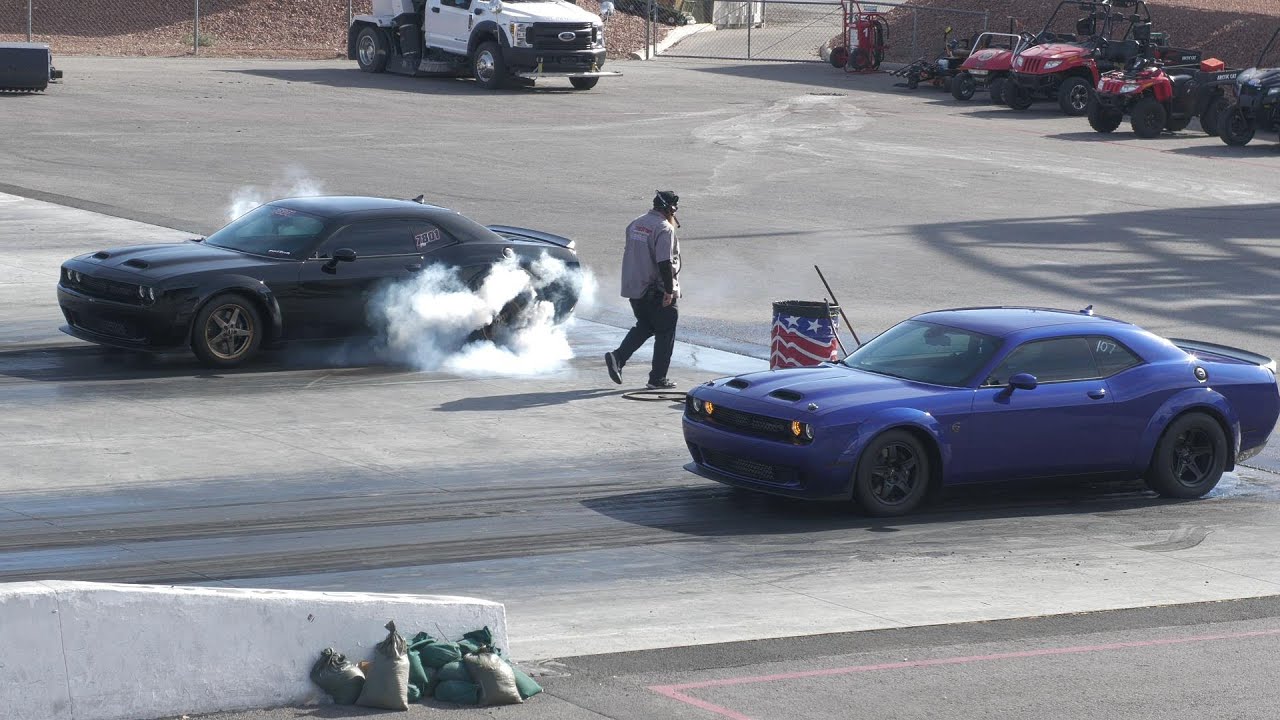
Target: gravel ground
[(295, 29)]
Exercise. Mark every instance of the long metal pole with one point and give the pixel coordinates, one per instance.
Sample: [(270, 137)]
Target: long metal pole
[(195, 36), (29, 20), (848, 324), (751, 20), (648, 30), (349, 13), (914, 25)]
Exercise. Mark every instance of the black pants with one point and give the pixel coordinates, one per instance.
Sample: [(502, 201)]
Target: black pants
[(652, 321)]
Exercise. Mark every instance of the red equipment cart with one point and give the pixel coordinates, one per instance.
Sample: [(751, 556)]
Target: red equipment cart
[(865, 37)]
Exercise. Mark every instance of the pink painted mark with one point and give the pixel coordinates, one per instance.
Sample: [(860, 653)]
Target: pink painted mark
[(677, 692)]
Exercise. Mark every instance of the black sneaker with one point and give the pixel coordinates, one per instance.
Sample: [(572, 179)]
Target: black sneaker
[(663, 384), (615, 372)]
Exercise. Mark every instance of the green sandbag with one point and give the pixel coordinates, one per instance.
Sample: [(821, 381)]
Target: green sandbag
[(341, 679), (527, 686), (417, 676), (480, 638), (455, 670), (417, 641), (469, 647), (386, 685), (458, 692), (438, 654), (414, 694)]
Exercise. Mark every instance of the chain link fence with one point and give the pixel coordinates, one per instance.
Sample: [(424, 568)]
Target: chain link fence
[(280, 28), (803, 30)]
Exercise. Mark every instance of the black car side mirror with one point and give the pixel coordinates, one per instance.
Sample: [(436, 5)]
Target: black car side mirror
[(1023, 381), (339, 255)]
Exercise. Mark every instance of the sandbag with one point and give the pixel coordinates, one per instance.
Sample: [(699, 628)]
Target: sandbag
[(386, 685), (527, 686), (416, 642), (458, 692), (495, 677), (438, 654), (454, 671), (342, 680), (417, 676), (467, 646)]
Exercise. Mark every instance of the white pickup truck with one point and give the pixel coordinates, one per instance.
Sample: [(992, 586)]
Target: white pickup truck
[(497, 41)]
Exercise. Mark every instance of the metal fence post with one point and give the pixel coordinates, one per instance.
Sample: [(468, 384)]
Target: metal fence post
[(986, 18), (29, 20), (648, 30), (195, 35), (751, 20), (914, 30), (349, 13)]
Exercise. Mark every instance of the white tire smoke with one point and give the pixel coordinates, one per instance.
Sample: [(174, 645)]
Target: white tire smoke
[(508, 325)]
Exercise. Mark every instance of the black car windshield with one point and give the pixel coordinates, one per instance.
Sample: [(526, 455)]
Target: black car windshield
[(925, 352), (270, 231)]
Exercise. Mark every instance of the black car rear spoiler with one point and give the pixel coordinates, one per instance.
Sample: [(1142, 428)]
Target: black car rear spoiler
[(1193, 346), (516, 233)]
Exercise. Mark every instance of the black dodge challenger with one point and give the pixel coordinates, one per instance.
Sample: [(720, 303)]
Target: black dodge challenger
[(291, 270)]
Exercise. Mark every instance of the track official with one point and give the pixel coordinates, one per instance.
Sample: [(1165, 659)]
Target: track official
[(651, 281)]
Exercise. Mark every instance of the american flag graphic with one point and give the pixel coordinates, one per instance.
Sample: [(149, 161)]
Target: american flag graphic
[(802, 341)]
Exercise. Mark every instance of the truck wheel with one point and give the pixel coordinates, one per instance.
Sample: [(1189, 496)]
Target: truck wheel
[(227, 331), (1190, 457), (997, 90), (583, 83), (1234, 127), (1212, 112), (1147, 118), (1175, 124), (489, 67), (371, 50), (1017, 97), (963, 87), (1103, 120), (1073, 96)]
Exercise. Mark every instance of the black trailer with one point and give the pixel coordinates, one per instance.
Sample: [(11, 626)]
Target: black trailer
[(26, 67)]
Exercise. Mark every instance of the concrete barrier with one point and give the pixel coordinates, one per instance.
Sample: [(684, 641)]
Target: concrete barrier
[(95, 651)]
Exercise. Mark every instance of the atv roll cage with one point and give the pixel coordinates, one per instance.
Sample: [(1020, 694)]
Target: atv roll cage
[(1265, 58), (1086, 28)]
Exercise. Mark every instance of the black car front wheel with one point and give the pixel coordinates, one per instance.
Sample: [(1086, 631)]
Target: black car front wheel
[(227, 331), (892, 476), (1190, 458)]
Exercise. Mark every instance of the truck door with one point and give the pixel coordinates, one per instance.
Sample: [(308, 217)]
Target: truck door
[(449, 25)]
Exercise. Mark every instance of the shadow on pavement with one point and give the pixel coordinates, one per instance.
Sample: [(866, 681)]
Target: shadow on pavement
[(503, 403), (353, 78)]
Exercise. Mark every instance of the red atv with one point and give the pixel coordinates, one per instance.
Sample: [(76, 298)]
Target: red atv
[(988, 65), (1065, 67), (1159, 97)]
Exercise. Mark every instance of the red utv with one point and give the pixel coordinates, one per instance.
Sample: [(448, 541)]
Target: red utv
[(1159, 97), (1065, 67), (988, 65)]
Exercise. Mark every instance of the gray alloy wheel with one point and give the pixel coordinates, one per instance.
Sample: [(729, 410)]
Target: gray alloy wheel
[(489, 67), (371, 50), (1190, 458), (227, 331), (892, 476)]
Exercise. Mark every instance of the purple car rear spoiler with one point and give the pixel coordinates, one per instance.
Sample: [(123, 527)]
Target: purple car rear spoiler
[(1193, 346)]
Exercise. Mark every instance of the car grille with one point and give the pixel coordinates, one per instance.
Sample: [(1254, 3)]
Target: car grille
[(1031, 65), (751, 423), (105, 325), (546, 36), (751, 469), (106, 289)]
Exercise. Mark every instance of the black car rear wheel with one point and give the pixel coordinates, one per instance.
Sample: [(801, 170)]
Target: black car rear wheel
[(963, 86), (1073, 96), (227, 331), (1234, 127), (1190, 457), (1103, 120), (1147, 118), (892, 476)]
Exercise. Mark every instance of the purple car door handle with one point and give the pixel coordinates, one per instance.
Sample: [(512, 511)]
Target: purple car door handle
[(1098, 394)]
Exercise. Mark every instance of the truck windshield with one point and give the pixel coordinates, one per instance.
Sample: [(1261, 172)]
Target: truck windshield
[(270, 231), (925, 352)]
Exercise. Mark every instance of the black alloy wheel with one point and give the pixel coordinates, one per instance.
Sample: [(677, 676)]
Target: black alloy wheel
[(1190, 458), (227, 331), (1234, 127), (892, 476), (963, 86), (1147, 118), (1073, 96)]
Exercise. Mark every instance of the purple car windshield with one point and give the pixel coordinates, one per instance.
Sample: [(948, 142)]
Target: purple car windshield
[(926, 352)]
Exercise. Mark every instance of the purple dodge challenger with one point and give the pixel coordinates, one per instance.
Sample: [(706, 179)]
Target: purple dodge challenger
[(987, 394)]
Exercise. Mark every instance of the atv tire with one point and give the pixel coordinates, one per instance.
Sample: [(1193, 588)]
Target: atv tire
[(1212, 114), (1147, 118), (997, 89), (1103, 120), (963, 86), (1173, 124), (1017, 97), (1073, 96), (1234, 127)]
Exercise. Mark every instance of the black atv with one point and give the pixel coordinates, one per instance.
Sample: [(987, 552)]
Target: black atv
[(1257, 101)]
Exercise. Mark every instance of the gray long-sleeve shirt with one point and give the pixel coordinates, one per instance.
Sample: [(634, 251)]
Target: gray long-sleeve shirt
[(650, 240)]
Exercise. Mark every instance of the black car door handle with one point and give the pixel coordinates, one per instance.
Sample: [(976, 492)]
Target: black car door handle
[(435, 9), (1098, 394)]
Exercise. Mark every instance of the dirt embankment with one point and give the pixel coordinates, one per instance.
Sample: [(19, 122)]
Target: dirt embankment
[(1232, 30), (228, 28)]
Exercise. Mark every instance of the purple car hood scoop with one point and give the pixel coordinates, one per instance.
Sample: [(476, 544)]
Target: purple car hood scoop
[(825, 385)]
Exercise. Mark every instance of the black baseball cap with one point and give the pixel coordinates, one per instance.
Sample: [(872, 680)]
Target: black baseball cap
[(666, 200)]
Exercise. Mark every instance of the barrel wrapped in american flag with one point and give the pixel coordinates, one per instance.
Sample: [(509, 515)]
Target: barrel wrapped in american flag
[(804, 334)]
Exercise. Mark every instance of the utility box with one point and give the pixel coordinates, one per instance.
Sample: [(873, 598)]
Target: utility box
[(26, 67)]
